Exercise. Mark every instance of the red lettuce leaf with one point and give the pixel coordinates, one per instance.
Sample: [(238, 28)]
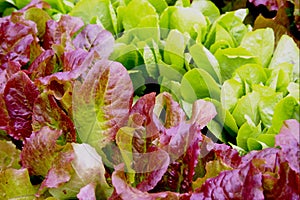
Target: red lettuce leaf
[(142, 115), (276, 170), (61, 32), (61, 170), (233, 184), (270, 4), (6, 72), (43, 65), (40, 150), (87, 192), (94, 38), (4, 117), (101, 103), (46, 112), (125, 191), (19, 95), (73, 59), (288, 140), (173, 114), (76, 166), (183, 150), (16, 39)]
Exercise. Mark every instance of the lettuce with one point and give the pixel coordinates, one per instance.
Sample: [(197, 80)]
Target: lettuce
[(71, 127)]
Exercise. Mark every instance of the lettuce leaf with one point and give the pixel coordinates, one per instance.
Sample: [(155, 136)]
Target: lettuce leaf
[(260, 43), (41, 144), (19, 96), (15, 184), (98, 109), (9, 155), (77, 167)]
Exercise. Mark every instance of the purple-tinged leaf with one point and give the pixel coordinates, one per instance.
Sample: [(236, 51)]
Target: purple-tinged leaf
[(6, 72), (270, 4), (94, 38), (213, 169), (142, 115), (61, 32), (75, 167), (36, 4), (87, 192), (202, 113), (4, 117), (73, 59), (101, 103), (174, 115), (288, 140), (244, 183), (228, 155), (283, 184), (43, 65), (126, 191), (15, 43), (150, 168), (46, 112), (79, 70), (19, 95), (61, 169), (183, 149), (19, 18), (40, 150)]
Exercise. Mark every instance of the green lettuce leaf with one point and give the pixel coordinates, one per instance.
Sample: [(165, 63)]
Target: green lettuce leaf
[(174, 48), (15, 184), (204, 59), (197, 84), (102, 9), (184, 19), (231, 92), (280, 77), (9, 155), (287, 108), (286, 52), (232, 23), (208, 9), (251, 74), (247, 106), (260, 43), (232, 58), (146, 17)]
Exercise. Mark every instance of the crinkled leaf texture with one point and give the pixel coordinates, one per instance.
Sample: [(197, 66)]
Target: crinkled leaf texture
[(94, 38), (61, 32), (46, 112), (40, 150), (172, 135), (270, 173), (288, 140), (19, 95), (75, 170), (101, 103), (16, 39)]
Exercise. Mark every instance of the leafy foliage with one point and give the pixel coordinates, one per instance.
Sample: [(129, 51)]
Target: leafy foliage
[(79, 117)]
